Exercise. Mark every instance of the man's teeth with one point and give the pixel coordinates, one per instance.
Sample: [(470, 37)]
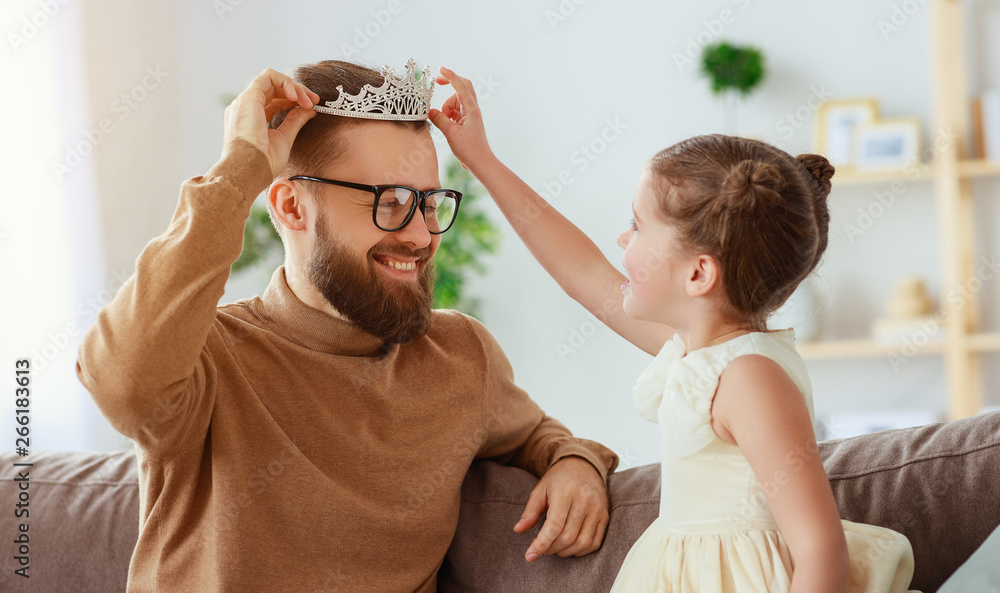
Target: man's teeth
[(400, 265)]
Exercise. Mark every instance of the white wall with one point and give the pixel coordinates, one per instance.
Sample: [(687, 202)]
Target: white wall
[(555, 85)]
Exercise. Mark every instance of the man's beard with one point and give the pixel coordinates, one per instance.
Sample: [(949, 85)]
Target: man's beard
[(395, 311)]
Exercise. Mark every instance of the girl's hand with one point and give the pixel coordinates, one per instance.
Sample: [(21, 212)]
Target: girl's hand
[(461, 122)]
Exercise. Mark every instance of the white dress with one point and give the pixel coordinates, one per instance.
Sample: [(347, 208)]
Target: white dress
[(715, 532)]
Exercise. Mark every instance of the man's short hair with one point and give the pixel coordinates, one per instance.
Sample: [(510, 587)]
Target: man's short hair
[(319, 143)]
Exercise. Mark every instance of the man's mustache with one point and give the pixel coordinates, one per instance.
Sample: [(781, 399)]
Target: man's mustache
[(400, 251)]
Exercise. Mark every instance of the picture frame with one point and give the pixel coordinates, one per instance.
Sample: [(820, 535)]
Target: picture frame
[(887, 144), (835, 125)]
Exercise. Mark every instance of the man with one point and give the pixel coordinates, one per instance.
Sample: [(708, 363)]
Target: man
[(316, 438)]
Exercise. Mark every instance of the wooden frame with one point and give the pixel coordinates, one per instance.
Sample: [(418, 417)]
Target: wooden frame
[(891, 143), (835, 120)]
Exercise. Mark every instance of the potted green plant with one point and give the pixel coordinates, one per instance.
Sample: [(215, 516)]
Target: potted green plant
[(463, 248), (734, 72)]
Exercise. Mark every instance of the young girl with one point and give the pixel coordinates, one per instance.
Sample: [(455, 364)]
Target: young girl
[(724, 230)]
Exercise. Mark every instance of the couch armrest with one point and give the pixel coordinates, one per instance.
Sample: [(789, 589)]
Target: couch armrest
[(486, 554)]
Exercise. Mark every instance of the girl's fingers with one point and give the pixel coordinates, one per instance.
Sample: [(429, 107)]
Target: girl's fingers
[(452, 108), (463, 88), (451, 102)]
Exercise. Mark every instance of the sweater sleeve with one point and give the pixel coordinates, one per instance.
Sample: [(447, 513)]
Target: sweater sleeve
[(144, 360), (518, 432)]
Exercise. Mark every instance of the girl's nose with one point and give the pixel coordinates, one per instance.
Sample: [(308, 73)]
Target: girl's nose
[(623, 239)]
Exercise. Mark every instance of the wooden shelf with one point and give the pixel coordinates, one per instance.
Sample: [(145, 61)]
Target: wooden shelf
[(859, 348), (985, 342), (851, 176), (871, 348), (922, 172), (978, 168)]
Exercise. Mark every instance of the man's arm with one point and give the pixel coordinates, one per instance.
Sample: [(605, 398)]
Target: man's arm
[(572, 491), (144, 360)]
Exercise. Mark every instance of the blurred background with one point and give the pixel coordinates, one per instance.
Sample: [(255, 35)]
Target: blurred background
[(111, 105)]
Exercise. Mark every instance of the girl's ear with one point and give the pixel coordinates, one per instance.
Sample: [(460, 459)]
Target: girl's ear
[(703, 276)]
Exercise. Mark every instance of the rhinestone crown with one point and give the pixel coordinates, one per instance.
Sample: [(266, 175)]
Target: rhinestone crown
[(406, 99)]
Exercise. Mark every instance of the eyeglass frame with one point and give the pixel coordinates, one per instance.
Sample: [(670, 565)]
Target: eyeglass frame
[(377, 191)]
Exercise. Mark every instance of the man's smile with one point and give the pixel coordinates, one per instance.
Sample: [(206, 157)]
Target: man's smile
[(400, 267), (399, 264)]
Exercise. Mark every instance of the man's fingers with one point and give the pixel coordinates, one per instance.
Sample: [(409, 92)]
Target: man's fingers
[(602, 529), (537, 502), (569, 537), (280, 141), (584, 543), (294, 121), (559, 530), (277, 106), (550, 531), (270, 84)]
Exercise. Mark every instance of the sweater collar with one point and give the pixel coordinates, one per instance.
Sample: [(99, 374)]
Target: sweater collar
[(312, 328)]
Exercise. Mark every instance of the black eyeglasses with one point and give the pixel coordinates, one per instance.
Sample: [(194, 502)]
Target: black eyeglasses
[(395, 204)]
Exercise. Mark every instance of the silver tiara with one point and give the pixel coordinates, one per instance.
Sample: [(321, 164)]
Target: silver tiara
[(399, 99)]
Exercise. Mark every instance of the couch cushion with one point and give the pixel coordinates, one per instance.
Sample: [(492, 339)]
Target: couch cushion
[(486, 554), (980, 572), (83, 522), (935, 484)]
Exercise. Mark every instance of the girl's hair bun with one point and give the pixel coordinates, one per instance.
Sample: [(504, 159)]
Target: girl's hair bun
[(752, 186), (819, 169)]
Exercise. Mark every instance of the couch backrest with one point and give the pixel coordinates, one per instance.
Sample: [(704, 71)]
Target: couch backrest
[(83, 521), (936, 484)]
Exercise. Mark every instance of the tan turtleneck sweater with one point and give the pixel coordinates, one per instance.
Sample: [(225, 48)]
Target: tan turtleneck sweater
[(281, 448)]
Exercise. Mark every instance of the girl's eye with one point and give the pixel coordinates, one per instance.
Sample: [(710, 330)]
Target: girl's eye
[(632, 225)]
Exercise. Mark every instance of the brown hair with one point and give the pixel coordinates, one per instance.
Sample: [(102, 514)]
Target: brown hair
[(759, 212), (320, 143)]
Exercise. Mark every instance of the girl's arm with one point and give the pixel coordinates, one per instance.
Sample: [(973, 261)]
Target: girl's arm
[(758, 408), (566, 253)]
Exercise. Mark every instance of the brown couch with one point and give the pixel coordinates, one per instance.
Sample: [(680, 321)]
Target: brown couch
[(937, 484)]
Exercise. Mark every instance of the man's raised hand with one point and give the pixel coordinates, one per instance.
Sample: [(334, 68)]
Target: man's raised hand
[(269, 93)]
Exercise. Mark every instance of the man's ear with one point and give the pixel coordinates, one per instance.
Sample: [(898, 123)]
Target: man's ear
[(703, 276), (287, 204)]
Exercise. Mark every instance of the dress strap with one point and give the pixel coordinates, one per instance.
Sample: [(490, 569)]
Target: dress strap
[(676, 390)]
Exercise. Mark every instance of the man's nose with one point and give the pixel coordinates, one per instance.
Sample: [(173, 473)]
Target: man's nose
[(415, 232)]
